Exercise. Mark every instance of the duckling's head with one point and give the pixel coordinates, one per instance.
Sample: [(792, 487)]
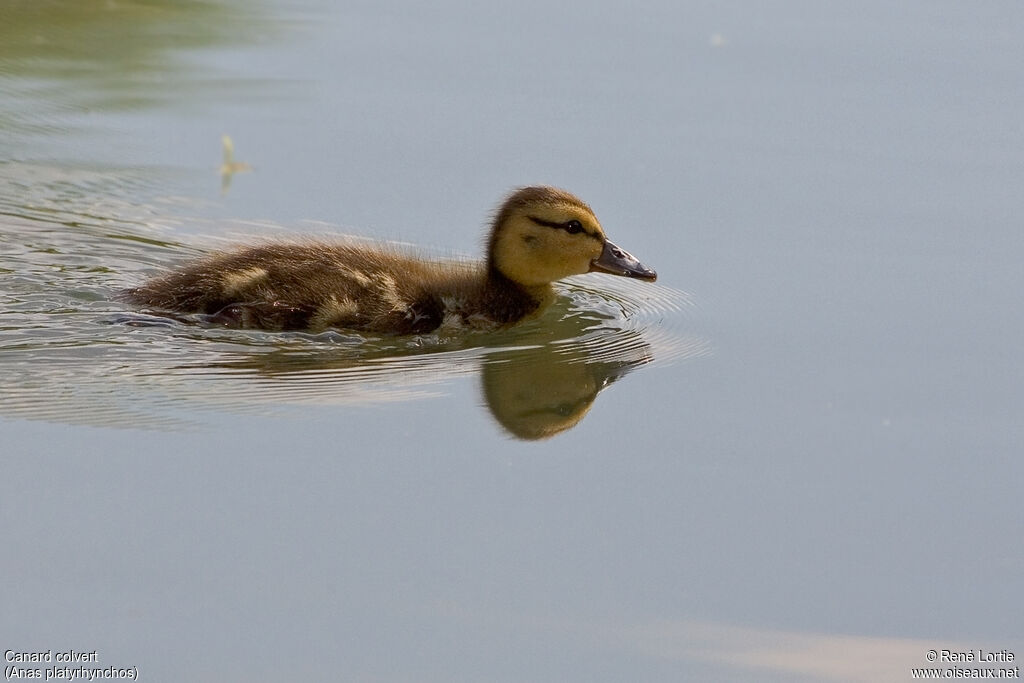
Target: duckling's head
[(542, 234)]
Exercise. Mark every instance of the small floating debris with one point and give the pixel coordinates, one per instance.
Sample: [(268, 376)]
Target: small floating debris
[(230, 167)]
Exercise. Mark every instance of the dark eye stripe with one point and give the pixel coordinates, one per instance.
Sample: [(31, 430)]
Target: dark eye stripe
[(573, 227)]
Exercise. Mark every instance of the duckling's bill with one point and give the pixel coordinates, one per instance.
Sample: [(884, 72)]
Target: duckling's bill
[(618, 261)]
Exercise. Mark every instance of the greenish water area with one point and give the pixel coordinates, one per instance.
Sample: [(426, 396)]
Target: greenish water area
[(796, 456)]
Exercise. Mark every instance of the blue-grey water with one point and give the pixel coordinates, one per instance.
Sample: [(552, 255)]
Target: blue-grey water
[(797, 456)]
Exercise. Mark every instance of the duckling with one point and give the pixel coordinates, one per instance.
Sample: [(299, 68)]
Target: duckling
[(539, 235)]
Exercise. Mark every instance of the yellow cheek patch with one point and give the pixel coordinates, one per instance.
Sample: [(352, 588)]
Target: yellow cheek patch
[(241, 280)]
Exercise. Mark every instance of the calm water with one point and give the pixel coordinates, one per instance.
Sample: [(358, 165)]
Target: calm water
[(795, 457)]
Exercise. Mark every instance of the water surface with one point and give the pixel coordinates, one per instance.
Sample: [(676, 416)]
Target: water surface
[(795, 457)]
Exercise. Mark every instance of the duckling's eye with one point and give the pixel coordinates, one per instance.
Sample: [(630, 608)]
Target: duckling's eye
[(574, 227)]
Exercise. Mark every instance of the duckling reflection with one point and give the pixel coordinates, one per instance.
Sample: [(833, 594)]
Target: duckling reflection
[(533, 390), (538, 393)]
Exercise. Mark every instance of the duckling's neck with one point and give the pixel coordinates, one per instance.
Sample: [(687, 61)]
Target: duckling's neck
[(509, 301)]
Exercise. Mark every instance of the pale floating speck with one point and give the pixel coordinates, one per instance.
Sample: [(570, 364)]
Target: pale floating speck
[(230, 167)]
